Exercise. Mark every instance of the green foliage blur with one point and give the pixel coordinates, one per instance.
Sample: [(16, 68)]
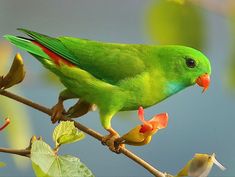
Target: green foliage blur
[(176, 22)]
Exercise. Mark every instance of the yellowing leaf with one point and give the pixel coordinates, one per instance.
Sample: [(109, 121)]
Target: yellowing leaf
[(66, 133), (46, 163), (200, 165), (169, 22), (15, 75)]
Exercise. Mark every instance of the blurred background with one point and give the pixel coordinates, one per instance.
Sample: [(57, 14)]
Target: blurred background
[(198, 123)]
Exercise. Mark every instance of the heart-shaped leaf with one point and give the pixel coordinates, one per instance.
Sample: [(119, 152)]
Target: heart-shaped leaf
[(66, 133), (46, 163)]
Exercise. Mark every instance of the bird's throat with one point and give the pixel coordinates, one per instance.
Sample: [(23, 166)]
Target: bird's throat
[(174, 87)]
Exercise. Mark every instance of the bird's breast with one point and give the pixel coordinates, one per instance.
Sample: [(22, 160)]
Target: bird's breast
[(144, 90)]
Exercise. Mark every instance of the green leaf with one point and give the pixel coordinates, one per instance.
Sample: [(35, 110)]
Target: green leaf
[(37, 170), (46, 163), (171, 22), (66, 133), (2, 164)]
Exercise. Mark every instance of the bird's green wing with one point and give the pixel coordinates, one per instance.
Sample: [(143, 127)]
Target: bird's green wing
[(106, 61), (51, 43)]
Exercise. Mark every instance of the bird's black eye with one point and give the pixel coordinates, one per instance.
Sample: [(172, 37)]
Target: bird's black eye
[(191, 63)]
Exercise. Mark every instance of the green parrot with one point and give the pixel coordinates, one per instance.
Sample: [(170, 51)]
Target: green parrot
[(114, 77)]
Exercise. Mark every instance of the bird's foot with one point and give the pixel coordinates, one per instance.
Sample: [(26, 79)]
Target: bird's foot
[(57, 112), (111, 141)]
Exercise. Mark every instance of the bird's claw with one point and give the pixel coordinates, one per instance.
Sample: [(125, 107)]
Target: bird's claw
[(57, 112), (112, 143)]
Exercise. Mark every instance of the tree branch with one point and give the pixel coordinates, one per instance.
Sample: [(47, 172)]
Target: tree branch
[(23, 152), (81, 127)]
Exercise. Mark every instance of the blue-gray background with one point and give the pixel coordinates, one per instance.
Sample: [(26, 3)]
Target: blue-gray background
[(198, 123)]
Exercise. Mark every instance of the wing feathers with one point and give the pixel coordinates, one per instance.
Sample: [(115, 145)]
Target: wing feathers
[(51, 43), (109, 62)]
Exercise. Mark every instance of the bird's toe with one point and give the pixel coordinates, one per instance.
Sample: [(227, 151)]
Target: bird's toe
[(57, 112), (112, 142)]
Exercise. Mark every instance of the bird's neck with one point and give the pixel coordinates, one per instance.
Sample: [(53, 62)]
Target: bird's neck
[(172, 87), (168, 86)]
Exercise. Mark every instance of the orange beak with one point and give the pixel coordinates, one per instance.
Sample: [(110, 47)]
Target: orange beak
[(203, 81)]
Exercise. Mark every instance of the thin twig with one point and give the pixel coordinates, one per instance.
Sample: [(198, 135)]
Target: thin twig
[(7, 122), (83, 128), (22, 152)]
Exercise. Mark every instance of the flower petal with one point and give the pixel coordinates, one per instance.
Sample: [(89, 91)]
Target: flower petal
[(146, 126), (141, 114), (159, 121)]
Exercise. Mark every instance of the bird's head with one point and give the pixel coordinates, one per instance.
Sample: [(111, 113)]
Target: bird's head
[(185, 66)]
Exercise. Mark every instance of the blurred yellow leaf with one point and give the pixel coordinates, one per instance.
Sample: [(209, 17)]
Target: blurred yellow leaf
[(231, 66), (169, 22), (200, 165), (2, 164), (231, 73), (19, 131)]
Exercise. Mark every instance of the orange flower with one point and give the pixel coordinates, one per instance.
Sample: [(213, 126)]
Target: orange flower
[(142, 134)]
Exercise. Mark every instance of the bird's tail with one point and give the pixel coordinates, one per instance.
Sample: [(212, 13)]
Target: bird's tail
[(26, 44)]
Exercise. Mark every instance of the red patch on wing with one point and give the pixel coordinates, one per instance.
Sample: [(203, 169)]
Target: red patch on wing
[(55, 57)]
